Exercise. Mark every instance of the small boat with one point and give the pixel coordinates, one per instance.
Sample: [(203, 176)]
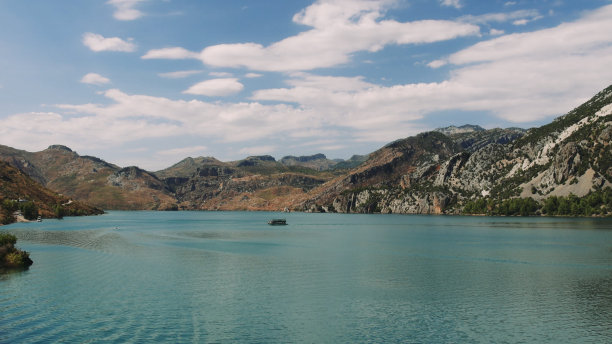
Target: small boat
[(39, 219), (277, 222)]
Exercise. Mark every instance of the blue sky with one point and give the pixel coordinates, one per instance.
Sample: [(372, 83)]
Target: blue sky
[(150, 82)]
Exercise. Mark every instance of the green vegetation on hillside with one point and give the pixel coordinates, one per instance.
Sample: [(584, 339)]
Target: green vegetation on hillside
[(596, 203), (559, 124)]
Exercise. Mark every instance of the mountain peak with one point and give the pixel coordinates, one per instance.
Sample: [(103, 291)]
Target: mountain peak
[(59, 147), (452, 130)]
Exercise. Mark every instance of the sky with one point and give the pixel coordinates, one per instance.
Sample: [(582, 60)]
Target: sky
[(151, 82)]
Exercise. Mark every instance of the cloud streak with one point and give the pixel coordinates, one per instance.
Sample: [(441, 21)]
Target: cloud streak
[(452, 3), (339, 28), (519, 78), (125, 9), (173, 53), (96, 42), (95, 79), (216, 87), (180, 74)]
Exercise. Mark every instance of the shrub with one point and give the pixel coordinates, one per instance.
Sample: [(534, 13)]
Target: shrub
[(7, 239), (17, 259)]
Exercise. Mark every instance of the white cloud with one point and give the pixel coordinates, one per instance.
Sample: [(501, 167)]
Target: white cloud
[(184, 151), (329, 83), (97, 43), (437, 63), (174, 53), (220, 74), (130, 118), (35, 131), (452, 3), (179, 74), (520, 77), (581, 37), (125, 9), (520, 22), (94, 79), (495, 32), (258, 150), (253, 75), (339, 28), (216, 87), (526, 15)]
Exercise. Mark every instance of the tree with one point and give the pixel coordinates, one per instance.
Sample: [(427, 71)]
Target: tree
[(29, 210)]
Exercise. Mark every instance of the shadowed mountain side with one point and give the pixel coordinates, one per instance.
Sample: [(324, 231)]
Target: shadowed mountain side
[(91, 180), (18, 192)]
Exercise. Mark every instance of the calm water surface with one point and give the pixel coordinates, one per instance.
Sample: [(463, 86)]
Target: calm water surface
[(228, 277)]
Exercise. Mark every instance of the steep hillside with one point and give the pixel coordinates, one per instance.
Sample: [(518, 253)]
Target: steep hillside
[(570, 155), (90, 179), (19, 191), (432, 174), (398, 166)]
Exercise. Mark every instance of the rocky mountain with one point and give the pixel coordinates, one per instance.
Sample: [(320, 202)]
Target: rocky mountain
[(464, 129), (442, 171), (19, 191), (254, 183), (446, 171), (92, 180), (317, 162)]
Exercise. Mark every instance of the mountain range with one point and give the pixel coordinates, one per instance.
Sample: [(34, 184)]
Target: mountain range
[(436, 172)]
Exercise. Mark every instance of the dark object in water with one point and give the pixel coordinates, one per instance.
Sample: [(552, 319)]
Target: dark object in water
[(277, 222)]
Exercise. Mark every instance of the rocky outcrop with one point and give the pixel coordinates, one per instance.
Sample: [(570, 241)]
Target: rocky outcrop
[(10, 257), (318, 162)]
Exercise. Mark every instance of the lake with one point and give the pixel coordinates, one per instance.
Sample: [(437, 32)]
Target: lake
[(229, 277)]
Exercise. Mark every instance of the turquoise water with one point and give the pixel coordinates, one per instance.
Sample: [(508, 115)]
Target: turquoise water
[(228, 277)]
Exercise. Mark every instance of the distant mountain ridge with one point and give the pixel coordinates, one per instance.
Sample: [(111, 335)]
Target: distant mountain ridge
[(436, 172), (90, 179), (453, 130)]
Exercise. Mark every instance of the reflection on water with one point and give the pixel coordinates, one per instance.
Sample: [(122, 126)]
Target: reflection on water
[(138, 277)]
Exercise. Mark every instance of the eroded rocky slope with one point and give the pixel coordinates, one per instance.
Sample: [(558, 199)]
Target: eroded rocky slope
[(439, 172)]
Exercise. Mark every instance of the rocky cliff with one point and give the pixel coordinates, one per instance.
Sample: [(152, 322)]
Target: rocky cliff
[(440, 172)]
